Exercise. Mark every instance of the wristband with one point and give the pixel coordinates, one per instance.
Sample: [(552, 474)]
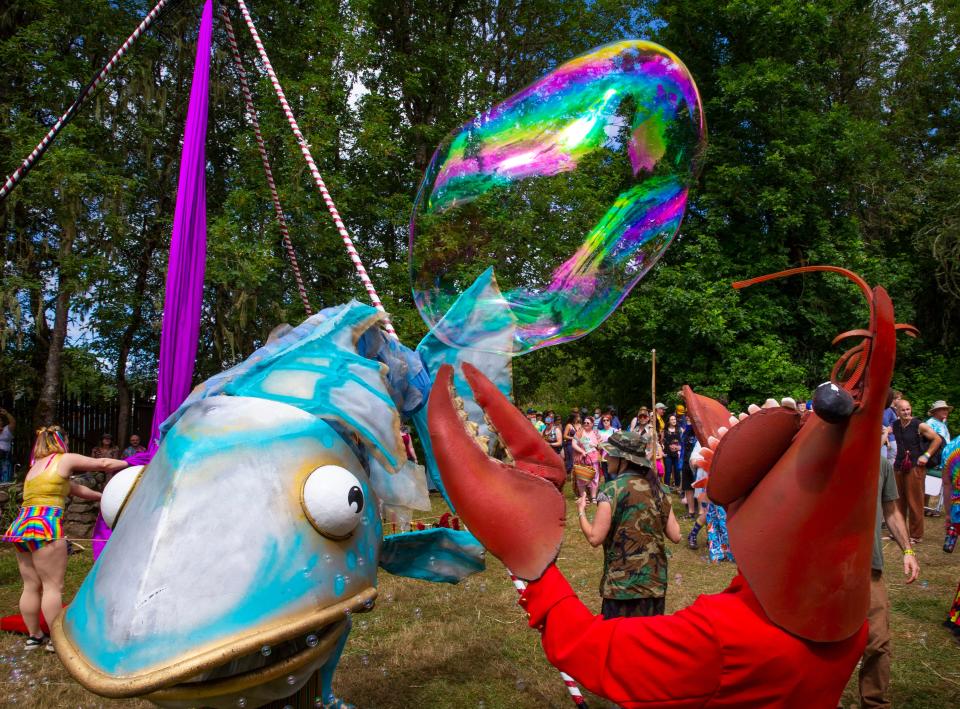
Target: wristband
[(581, 514), (909, 552)]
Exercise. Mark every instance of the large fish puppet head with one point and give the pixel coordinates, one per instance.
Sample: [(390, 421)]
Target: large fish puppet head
[(809, 483), (240, 552)]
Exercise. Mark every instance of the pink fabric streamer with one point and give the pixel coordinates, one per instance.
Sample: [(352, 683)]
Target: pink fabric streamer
[(188, 255)]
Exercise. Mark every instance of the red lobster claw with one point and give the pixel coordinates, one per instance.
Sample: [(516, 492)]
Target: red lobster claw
[(517, 512)]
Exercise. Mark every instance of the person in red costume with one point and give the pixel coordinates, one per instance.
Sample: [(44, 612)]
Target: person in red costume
[(800, 494)]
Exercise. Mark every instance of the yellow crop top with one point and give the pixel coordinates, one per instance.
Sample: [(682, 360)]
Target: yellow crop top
[(47, 488)]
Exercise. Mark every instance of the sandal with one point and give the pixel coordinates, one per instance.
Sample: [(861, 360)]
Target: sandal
[(33, 643)]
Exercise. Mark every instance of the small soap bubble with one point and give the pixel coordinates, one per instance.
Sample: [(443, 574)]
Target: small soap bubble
[(521, 685), (347, 613), (327, 558), (318, 702), (266, 650), (364, 660), (361, 561), (242, 702), (483, 587), (389, 598), (383, 671), (346, 579), (287, 706), (368, 604), (678, 579), (481, 704), (363, 625), (291, 680), (924, 584), (417, 613), (312, 640)]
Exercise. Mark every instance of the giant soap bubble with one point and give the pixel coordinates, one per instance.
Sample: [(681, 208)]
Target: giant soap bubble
[(570, 191)]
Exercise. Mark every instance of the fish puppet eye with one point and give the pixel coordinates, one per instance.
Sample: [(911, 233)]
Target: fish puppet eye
[(332, 497), (117, 492)]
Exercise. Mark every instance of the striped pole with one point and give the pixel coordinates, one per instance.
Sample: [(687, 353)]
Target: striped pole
[(252, 117), (305, 149), (18, 174), (571, 684)]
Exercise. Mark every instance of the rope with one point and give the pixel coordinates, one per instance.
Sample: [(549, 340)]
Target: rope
[(252, 117), (14, 179), (575, 694), (317, 178)]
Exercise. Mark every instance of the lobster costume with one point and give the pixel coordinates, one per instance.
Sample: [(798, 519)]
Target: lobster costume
[(801, 498)]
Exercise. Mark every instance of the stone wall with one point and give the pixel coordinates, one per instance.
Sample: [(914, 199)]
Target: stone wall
[(81, 515)]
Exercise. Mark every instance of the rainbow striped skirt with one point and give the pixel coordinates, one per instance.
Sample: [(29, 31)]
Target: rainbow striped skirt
[(35, 526)]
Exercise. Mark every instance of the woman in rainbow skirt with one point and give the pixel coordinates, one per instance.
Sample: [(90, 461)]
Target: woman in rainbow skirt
[(951, 470), (37, 531)]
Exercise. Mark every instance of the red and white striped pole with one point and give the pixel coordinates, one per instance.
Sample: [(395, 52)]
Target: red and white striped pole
[(305, 149), (275, 196), (570, 683), (18, 174)]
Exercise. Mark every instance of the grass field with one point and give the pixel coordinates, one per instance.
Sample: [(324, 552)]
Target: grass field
[(429, 645)]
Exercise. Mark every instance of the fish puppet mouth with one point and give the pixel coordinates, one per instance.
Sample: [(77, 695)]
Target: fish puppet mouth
[(228, 666)]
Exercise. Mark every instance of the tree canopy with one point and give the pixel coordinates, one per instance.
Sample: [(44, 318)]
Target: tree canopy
[(834, 137)]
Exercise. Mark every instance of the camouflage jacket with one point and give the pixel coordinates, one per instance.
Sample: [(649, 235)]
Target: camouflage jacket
[(634, 552)]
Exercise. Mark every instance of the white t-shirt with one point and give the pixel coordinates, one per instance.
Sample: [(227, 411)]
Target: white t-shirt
[(6, 439)]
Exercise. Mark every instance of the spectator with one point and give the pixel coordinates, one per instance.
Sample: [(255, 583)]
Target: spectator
[(37, 533), (633, 519), (660, 410), (670, 441), (681, 412), (938, 419), (712, 515), (404, 435), (875, 666), (106, 449), (889, 416), (8, 425), (571, 429), (605, 430), (135, 446), (916, 442), (552, 433), (597, 414), (641, 422), (586, 450), (615, 421), (951, 471), (938, 422), (688, 440)]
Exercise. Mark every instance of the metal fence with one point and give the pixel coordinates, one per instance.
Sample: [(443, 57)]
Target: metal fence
[(85, 419)]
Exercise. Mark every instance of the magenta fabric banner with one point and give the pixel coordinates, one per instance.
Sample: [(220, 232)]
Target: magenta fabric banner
[(188, 255)]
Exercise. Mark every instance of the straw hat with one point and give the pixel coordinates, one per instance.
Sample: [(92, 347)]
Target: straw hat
[(939, 404)]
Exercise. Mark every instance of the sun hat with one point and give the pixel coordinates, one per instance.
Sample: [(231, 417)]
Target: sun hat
[(681, 409), (629, 445), (659, 406), (939, 404)]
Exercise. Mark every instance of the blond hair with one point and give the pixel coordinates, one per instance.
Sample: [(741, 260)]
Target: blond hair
[(50, 440)]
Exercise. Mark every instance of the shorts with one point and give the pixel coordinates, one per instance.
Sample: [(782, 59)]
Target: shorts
[(34, 527), (632, 607), (687, 476)]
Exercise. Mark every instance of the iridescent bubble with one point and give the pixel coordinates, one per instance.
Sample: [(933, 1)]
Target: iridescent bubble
[(544, 211), (312, 641), (266, 650), (242, 702), (291, 680)]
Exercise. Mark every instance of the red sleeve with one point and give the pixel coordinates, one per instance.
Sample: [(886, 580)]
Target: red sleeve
[(671, 661)]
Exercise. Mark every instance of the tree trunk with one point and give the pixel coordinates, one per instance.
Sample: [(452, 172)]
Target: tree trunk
[(126, 340), (47, 403)]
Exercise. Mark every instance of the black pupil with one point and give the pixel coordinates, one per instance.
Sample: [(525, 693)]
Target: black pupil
[(355, 496)]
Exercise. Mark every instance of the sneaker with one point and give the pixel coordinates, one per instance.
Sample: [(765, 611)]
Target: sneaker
[(950, 543), (33, 643)]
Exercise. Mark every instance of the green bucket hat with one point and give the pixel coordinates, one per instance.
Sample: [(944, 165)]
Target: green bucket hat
[(629, 445)]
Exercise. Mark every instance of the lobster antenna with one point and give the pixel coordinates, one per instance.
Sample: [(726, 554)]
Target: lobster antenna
[(862, 284)]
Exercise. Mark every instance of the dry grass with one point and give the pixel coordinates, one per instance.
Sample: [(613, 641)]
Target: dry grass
[(429, 645)]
